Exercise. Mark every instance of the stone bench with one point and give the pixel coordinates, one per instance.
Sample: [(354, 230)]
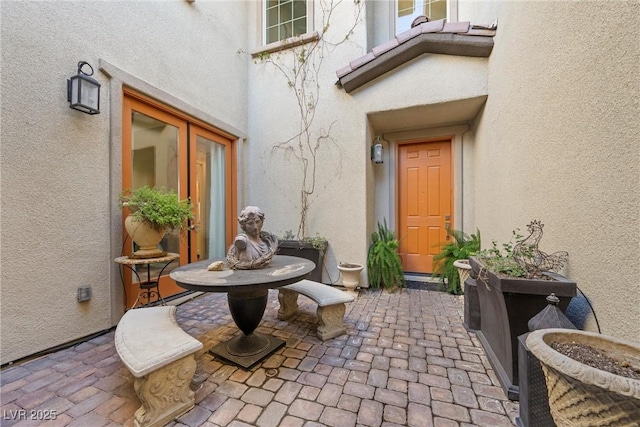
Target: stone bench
[(331, 305), (160, 355)]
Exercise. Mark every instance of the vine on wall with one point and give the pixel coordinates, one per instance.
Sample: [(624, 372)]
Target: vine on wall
[(301, 68)]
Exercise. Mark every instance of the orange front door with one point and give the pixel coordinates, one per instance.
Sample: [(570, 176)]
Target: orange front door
[(425, 204)]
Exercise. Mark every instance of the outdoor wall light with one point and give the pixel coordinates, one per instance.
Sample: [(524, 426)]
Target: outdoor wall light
[(376, 151), (83, 92)]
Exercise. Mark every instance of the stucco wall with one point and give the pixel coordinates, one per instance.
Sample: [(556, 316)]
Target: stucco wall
[(558, 142), (275, 178), (56, 166), (345, 201)]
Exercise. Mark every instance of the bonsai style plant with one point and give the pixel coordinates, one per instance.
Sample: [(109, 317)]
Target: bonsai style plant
[(513, 283), (592, 379), (154, 212), (383, 262), (460, 248)]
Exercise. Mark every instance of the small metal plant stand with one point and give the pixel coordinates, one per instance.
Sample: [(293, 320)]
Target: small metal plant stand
[(148, 287)]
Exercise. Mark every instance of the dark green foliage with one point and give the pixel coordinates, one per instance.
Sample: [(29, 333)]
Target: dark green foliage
[(461, 247), (159, 207), (383, 262)]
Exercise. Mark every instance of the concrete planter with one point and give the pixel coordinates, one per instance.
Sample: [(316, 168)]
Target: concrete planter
[(145, 236), (350, 274), (583, 395), (506, 305)]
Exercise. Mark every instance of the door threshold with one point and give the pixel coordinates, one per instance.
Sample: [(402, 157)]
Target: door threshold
[(421, 277)]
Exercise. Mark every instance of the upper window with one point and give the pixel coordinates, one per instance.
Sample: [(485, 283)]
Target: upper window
[(284, 19), (408, 10)]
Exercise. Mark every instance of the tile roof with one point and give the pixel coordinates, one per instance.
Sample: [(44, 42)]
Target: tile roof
[(455, 38)]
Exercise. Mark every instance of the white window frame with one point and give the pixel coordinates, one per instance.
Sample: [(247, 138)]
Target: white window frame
[(309, 18), (451, 7), (263, 48)]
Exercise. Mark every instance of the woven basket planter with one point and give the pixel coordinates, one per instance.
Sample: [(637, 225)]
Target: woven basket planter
[(580, 395), (464, 269)]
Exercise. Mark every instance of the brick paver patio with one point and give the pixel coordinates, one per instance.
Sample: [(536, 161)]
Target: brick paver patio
[(406, 360)]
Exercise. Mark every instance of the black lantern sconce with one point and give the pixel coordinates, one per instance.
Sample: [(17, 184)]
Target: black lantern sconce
[(83, 92), (377, 152)]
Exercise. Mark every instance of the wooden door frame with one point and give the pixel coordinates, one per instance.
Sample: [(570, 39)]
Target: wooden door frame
[(230, 181), (133, 100)]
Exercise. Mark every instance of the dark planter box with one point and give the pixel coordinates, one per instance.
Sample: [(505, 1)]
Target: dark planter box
[(307, 251), (471, 305), (506, 305)]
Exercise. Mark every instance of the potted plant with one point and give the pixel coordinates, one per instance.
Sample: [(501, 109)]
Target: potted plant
[(444, 263), (311, 248), (154, 212), (513, 283), (350, 274), (383, 262), (592, 379)]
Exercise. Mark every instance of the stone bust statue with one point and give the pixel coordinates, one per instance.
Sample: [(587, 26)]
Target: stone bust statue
[(254, 248)]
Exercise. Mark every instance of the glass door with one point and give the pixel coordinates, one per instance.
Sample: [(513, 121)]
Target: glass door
[(154, 154), (162, 147), (212, 194)]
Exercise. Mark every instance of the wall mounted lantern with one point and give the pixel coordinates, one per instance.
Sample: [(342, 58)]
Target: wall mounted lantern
[(83, 92), (376, 151)]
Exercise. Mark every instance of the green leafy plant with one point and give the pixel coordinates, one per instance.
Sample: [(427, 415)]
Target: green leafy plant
[(461, 247), (157, 206), (500, 260), (521, 256), (318, 242), (383, 262)]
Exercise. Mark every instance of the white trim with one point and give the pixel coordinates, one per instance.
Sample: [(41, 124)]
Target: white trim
[(285, 44), (262, 34), (452, 14)]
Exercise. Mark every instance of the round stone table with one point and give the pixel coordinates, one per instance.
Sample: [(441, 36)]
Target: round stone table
[(247, 295)]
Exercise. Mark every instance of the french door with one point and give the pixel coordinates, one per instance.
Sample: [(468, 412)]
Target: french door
[(164, 148)]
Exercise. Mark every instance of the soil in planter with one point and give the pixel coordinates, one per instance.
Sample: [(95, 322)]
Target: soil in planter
[(348, 265), (590, 356)]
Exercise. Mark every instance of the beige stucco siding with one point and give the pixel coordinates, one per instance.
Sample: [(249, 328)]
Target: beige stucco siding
[(58, 167), (558, 141), (342, 205), (545, 128)]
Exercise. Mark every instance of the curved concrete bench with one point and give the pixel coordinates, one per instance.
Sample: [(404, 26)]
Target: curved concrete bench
[(160, 355), (331, 305)]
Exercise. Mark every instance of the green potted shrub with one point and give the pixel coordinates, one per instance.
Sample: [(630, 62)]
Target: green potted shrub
[(460, 248), (513, 284), (383, 262), (154, 212)]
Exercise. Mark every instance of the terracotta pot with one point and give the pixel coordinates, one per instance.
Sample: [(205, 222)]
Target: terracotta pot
[(145, 236), (350, 274), (583, 395)]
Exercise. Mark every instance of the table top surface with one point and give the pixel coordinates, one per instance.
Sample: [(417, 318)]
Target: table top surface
[(282, 270), (170, 256)]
